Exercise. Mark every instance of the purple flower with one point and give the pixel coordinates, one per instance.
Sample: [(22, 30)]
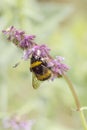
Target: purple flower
[(41, 50), (27, 53), (19, 38), (36, 50), (31, 37), (26, 125), (17, 124), (58, 68), (26, 42), (13, 34)]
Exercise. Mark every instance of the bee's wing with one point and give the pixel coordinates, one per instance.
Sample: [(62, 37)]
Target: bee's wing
[(45, 69), (35, 81)]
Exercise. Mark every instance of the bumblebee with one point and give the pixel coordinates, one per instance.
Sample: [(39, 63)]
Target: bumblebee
[(40, 71)]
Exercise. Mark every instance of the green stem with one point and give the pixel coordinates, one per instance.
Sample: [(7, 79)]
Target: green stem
[(83, 120), (76, 101)]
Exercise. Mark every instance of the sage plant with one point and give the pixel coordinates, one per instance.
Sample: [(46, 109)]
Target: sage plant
[(29, 47), (58, 68)]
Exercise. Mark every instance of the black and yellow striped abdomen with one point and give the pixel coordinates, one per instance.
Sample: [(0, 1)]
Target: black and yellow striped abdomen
[(40, 69), (44, 76)]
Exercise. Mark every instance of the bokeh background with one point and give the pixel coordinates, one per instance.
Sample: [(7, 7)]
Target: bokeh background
[(62, 25)]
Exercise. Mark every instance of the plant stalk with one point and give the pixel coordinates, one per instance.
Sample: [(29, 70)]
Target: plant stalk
[(77, 102)]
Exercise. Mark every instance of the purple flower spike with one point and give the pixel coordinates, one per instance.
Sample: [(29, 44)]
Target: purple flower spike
[(19, 38), (9, 32), (31, 37), (36, 50), (14, 35), (30, 48), (57, 67), (26, 42), (17, 124), (26, 125), (41, 50)]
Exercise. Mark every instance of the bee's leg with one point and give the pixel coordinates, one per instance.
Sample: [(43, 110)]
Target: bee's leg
[(31, 69), (16, 65)]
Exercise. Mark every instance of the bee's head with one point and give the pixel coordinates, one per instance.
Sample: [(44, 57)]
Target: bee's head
[(35, 58)]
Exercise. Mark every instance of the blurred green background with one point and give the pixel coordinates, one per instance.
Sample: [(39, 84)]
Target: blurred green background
[(62, 25)]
